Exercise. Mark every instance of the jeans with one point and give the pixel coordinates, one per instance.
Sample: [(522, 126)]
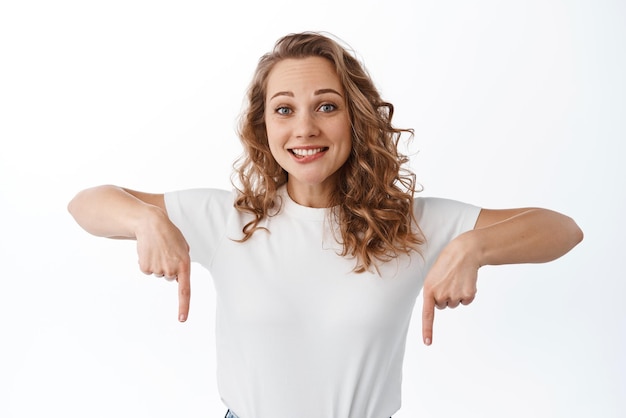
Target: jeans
[(231, 415)]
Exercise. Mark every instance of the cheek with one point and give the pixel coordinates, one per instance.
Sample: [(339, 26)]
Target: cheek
[(274, 142), (347, 150), (270, 132), (274, 129), (345, 132)]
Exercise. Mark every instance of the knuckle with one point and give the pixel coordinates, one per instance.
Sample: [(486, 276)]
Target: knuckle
[(145, 269)]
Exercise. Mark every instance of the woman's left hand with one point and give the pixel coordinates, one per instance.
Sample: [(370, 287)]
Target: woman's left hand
[(505, 236)]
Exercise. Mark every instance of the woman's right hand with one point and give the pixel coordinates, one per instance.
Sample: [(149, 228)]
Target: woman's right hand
[(114, 212), (164, 252)]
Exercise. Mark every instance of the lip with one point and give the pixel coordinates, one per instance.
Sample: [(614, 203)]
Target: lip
[(308, 158)]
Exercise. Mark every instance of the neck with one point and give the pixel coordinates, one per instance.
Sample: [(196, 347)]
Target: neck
[(311, 196)]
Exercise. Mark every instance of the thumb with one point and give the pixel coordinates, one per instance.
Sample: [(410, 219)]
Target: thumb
[(428, 318)]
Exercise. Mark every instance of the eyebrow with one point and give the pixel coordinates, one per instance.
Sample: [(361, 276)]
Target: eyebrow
[(317, 93)]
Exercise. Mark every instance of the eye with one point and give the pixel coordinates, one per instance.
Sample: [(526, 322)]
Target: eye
[(283, 110), (327, 107)]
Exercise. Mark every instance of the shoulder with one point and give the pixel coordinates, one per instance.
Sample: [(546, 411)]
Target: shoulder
[(435, 214), (427, 207), (199, 195), (199, 200)]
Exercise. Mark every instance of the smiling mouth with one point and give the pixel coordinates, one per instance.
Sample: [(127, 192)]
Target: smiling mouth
[(301, 152)]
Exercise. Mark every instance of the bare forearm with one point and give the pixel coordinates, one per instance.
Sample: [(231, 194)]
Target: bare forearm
[(109, 211), (534, 236)]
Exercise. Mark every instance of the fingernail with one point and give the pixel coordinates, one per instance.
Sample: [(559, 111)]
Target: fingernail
[(427, 341), (182, 318)]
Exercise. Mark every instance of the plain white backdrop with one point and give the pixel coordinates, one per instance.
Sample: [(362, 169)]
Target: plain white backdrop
[(517, 103)]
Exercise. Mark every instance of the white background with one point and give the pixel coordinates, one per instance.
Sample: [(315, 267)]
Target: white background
[(514, 103)]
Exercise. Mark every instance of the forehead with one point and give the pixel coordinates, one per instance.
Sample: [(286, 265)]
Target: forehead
[(296, 74)]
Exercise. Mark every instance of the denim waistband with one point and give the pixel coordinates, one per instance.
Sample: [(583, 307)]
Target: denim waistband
[(232, 415)]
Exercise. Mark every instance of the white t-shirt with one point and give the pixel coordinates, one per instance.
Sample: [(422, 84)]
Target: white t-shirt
[(298, 333)]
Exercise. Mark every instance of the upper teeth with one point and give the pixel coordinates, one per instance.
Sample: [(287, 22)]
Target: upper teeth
[(303, 152)]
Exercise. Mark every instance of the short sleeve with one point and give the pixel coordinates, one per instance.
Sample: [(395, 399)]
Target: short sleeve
[(442, 220), (202, 216)]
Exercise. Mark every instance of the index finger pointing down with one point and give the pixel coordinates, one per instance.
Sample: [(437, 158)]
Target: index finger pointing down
[(184, 295), (428, 318)]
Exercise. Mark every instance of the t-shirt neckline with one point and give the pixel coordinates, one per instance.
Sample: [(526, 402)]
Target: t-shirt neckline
[(291, 207)]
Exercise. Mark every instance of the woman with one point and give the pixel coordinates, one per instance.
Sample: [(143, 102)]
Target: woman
[(319, 254)]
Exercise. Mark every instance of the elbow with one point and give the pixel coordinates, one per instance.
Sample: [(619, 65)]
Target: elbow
[(80, 203), (71, 207), (576, 234), (579, 235), (74, 205), (83, 201)]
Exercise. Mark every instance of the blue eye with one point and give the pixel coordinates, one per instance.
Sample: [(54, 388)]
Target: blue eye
[(283, 110), (327, 107)]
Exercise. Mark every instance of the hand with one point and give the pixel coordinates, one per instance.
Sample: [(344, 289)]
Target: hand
[(163, 251), (451, 281)]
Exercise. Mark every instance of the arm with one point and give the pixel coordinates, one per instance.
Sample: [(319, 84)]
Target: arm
[(500, 237), (522, 236), (114, 212)]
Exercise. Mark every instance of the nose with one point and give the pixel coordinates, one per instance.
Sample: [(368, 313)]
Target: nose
[(305, 126)]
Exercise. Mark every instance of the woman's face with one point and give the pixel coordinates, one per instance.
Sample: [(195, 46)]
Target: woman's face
[(308, 126)]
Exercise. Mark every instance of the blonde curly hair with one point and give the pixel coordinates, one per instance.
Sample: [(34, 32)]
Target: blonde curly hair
[(374, 197)]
